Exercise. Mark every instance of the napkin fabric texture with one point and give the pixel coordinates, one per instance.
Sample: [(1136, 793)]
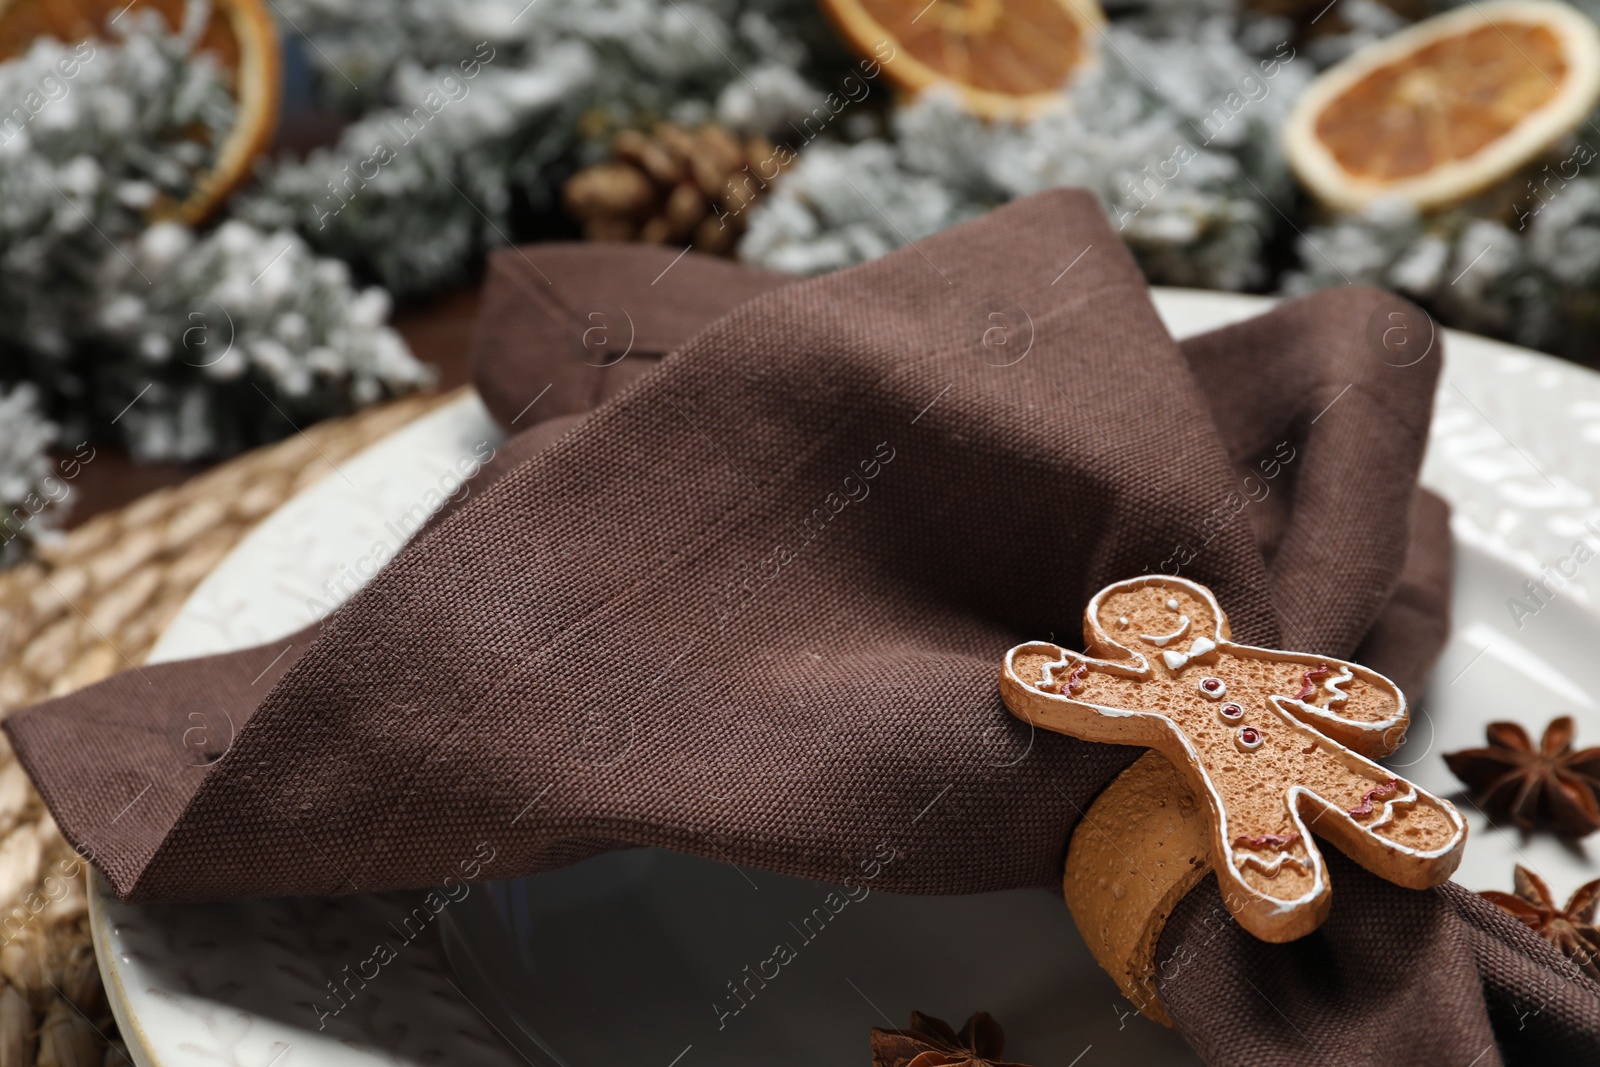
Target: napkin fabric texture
[(749, 601)]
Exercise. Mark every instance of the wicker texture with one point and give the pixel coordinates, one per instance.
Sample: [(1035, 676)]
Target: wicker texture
[(88, 606)]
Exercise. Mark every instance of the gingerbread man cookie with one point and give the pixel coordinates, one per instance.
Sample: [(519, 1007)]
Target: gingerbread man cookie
[(1275, 745)]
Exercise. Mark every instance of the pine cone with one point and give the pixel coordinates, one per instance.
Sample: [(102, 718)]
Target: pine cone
[(673, 185)]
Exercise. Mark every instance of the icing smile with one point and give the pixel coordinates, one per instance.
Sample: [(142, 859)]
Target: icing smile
[(1161, 640)]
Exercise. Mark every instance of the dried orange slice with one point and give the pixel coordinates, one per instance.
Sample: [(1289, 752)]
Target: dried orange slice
[(239, 33), (1009, 59), (1446, 108)]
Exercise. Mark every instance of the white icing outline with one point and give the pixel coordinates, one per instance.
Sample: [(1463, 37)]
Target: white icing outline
[(1049, 669), (1312, 714), (1136, 666), (1337, 695), (1271, 869), (1409, 800), (1162, 640)]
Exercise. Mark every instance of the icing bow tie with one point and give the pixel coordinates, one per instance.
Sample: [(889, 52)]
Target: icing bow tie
[(1177, 661)]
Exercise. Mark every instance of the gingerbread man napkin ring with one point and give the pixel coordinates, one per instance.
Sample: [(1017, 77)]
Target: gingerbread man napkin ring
[(1262, 749)]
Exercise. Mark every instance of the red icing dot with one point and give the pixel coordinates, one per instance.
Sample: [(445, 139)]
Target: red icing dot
[(1231, 710), (1249, 735), (1211, 685)]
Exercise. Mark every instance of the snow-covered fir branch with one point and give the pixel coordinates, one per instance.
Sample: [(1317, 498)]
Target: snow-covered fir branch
[(31, 497), (474, 108), (120, 325), (240, 337), (1174, 134), (1527, 272)]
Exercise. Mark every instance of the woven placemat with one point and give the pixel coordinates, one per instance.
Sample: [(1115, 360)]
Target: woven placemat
[(88, 606)]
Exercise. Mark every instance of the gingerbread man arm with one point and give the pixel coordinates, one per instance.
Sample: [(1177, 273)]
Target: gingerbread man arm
[(1089, 698), (1355, 706)]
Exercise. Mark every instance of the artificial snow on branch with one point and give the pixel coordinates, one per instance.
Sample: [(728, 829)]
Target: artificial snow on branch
[(1527, 273), (241, 337), (30, 495), (1174, 134), (180, 346), (473, 108)]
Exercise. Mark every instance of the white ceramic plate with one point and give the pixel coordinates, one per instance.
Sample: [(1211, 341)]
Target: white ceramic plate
[(619, 960)]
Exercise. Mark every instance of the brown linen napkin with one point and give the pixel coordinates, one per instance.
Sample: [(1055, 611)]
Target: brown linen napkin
[(753, 606)]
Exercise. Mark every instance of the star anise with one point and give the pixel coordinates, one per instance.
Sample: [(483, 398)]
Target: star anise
[(1549, 786), (931, 1043), (1570, 929)]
